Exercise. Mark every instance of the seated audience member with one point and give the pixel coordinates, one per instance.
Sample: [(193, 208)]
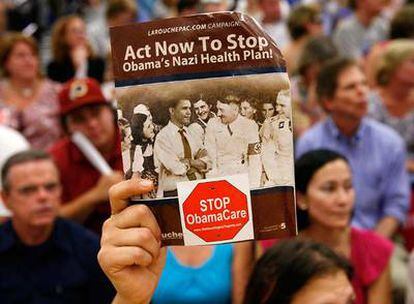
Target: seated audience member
[(44, 259), (355, 35), (84, 109), (324, 207), (402, 27), (135, 265), (273, 23), (117, 12), (28, 101), (205, 274), (304, 21), (72, 54), (393, 103), (298, 271), (381, 184), (307, 110), (11, 142)]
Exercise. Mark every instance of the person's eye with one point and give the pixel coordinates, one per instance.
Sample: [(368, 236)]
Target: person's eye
[(330, 187), (28, 190), (51, 186), (349, 186)]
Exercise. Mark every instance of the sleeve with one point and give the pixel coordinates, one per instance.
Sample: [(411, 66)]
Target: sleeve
[(166, 156), (372, 254), (396, 184)]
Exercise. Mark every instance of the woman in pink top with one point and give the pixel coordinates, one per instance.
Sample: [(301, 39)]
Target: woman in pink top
[(325, 201), (28, 101)]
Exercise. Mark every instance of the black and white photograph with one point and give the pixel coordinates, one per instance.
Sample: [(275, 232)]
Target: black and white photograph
[(206, 128)]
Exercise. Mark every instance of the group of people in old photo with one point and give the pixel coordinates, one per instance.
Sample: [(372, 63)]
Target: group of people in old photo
[(209, 136)]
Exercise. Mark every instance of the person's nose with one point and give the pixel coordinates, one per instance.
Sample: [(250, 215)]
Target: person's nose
[(42, 194), (92, 122), (343, 197)]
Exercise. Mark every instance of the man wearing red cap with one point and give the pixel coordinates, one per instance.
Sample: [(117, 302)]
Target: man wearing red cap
[(83, 109)]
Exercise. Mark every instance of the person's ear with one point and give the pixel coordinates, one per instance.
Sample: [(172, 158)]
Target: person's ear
[(301, 201), (4, 198), (327, 104)]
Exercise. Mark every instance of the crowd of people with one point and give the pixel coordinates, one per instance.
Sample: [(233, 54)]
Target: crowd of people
[(350, 111)]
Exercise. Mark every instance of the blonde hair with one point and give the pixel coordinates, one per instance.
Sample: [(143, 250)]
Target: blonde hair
[(396, 52), (60, 49)]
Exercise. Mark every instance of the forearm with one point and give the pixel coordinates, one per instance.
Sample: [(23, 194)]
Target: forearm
[(243, 262), (79, 208), (379, 292), (387, 226), (198, 164)]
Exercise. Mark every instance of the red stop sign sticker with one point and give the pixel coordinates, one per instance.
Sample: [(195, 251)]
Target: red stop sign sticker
[(216, 211)]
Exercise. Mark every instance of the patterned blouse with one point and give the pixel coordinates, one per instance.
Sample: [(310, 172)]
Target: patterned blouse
[(38, 122)]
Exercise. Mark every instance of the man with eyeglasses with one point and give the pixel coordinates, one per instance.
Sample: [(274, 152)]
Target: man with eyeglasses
[(44, 259)]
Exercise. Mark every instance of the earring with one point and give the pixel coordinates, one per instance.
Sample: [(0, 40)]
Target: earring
[(303, 206)]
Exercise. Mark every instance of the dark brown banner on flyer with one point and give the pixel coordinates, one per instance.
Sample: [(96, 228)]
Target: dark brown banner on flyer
[(205, 113)]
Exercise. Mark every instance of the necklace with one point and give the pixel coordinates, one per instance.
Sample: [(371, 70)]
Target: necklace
[(25, 91)]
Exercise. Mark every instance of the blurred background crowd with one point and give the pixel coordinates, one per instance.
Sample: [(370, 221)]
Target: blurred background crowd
[(351, 66)]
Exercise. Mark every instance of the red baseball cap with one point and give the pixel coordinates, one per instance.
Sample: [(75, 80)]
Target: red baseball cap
[(80, 92)]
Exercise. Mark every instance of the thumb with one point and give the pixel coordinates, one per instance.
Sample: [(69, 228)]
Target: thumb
[(121, 192)]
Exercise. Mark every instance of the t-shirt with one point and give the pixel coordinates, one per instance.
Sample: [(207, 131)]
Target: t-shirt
[(209, 283), (370, 256)]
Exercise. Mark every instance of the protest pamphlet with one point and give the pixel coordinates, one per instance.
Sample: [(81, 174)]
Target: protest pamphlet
[(205, 113)]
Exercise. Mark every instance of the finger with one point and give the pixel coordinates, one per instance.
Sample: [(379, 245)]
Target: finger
[(119, 193), (138, 237), (113, 259), (137, 216)]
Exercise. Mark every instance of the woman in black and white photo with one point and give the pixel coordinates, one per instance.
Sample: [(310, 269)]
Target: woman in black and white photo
[(142, 145)]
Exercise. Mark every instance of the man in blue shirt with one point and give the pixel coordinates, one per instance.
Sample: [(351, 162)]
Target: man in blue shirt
[(375, 151), (44, 259)]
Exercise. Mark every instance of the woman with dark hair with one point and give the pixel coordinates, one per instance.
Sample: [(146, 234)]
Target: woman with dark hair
[(325, 199), (299, 271), (142, 146)]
